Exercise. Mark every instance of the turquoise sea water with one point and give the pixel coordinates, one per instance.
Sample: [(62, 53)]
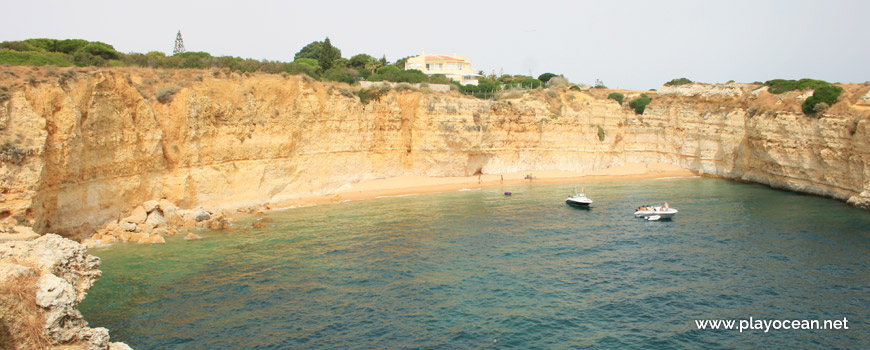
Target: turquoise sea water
[(477, 269)]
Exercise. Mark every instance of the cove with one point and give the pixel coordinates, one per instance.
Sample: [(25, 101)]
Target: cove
[(478, 269)]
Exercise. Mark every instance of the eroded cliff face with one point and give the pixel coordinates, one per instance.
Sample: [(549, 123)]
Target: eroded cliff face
[(42, 281), (97, 145)]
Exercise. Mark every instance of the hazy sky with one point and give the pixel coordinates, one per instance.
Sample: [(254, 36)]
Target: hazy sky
[(626, 44)]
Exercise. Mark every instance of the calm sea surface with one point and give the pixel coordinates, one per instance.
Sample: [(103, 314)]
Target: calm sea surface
[(478, 269)]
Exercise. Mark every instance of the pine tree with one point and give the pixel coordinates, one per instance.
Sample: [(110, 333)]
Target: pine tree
[(179, 44), (328, 54)]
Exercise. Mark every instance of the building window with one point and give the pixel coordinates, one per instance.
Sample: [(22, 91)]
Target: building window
[(428, 66), (439, 66), (459, 66), (451, 66)]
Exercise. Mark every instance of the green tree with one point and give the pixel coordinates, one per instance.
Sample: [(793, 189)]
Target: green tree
[(544, 78), (49, 45), (339, 75), (70, 46), (365, 64), (312, 64), (103, 50), (311, 50), (401, 62), (340, 62), (361, 61), (328, 54)]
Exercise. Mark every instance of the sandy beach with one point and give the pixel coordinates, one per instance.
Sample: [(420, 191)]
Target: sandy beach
[(408, 185)]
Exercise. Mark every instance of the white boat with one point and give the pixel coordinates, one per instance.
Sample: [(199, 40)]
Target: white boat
[(653, 217), (662, 211), (579, 199)]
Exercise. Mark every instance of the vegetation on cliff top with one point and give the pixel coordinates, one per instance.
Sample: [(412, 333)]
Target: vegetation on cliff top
[(618, 97), (778, 86), (639, 104), (319, 60), (822, 98), (824, 95), (678, 82)]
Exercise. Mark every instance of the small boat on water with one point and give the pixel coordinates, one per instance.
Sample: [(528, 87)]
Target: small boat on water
[(579, 199), (650, 211)]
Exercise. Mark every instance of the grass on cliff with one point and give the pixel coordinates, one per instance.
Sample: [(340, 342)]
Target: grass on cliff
[(372, 94), (33, 58), (22, 322), (167, 93)]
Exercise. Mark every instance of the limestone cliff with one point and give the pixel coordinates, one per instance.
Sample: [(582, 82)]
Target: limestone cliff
[(94, 144), (42, 282)]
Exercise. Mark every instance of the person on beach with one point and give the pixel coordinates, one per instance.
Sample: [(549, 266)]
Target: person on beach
[(478, 178)]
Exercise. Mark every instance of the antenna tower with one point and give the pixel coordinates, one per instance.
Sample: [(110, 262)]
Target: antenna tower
[(179, 44)]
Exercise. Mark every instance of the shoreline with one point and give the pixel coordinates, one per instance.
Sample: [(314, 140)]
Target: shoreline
[(147, 224), (417, 185)]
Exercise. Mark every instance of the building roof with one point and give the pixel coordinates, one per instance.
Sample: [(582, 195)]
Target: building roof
[(442, 58)]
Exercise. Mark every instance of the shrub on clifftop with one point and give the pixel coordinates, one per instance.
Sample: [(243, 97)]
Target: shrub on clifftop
[(165, 95), (778, 86), (546, 77), (33, 58), (616, 97), (374, 93), (823, 92), (823, 96), (639, 104), (677, 82)]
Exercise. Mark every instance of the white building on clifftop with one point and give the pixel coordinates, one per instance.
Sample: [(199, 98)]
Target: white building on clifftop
[(457, 68)]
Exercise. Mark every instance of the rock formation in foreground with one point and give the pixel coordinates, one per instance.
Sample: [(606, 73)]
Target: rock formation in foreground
[(42, 281)]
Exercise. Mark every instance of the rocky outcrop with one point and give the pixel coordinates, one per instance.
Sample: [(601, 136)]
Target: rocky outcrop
[(864, 100), (49, 276), (152, 221), (101, 146), (705, 91)]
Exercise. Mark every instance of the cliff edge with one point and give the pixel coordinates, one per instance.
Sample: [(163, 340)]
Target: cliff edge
[(84, 147), (42, 282)]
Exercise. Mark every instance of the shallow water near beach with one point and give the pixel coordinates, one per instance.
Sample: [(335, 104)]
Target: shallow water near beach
[(478, 269)]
